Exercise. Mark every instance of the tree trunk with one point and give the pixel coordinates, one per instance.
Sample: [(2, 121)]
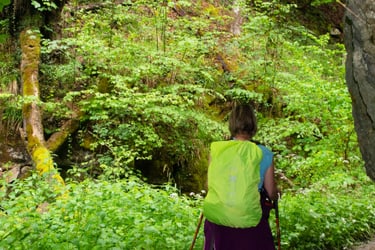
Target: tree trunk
[(235, 27), (30, 47), (27, 24), (360, 74), (58, 138)]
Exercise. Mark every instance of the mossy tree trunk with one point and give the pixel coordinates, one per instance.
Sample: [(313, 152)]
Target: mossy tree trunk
[(36, 145), (28, 23)]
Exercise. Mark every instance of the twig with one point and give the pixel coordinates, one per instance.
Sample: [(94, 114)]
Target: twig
[(348, 9)]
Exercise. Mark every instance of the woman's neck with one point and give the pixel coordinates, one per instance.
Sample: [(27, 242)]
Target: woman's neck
[(242, 137)]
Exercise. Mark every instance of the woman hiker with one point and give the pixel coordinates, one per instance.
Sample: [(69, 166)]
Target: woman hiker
[(240, 181)]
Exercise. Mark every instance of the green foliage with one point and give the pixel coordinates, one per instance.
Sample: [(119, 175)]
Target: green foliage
[(3, 3), (159, 123), (339, 219), (320, 2), (244, 96), (8, 72), (11, 112), (125, 214), (10, 102), (138, 57), (44, 5), (4, 24)]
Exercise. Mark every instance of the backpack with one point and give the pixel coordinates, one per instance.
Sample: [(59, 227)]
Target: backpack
[(233, 197)]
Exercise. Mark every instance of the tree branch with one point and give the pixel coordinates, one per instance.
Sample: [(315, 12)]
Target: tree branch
[(68, 127)]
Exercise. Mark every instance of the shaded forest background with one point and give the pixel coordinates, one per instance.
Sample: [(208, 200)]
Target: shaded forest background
[(142, 87)]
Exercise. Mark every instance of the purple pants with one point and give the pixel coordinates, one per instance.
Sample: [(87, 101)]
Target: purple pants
[(219, 237)]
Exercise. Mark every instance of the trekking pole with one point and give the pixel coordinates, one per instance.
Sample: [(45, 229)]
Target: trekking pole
[(277, 224), (197, 230)]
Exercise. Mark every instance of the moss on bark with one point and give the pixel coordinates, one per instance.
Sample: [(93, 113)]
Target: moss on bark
[(36, 145), (58, 138)]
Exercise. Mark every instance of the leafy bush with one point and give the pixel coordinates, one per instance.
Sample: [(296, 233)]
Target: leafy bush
[(321, 219), (159, 123), (126, 214)]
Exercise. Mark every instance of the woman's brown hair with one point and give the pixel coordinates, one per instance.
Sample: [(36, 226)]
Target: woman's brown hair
[(242, 120)]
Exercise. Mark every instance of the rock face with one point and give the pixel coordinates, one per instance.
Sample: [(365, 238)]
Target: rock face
[(360, 74)]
